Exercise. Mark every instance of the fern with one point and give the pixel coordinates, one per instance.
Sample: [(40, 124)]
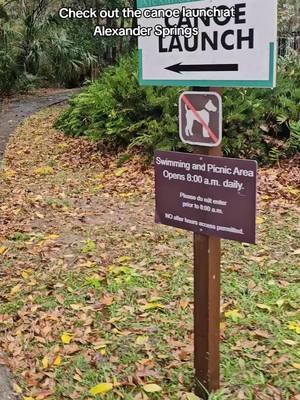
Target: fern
[(116, 109)]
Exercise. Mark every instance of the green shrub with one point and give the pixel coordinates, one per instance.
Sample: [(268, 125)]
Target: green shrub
[(258, 123), (115, 108)]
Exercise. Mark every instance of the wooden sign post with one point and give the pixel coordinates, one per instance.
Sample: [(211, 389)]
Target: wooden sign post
[(207, 270), (207, 255), (207, 295)]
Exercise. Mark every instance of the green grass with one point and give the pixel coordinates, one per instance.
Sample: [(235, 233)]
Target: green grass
[(258, 281)]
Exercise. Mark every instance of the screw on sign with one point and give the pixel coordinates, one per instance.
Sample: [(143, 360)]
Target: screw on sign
[(200, 118)]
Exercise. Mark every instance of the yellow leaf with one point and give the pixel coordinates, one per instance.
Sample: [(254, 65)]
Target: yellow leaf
[(17, 388), (152, 388), (98, 188), (45, 362), (264, 307), (294, 326), (126, 195), (76, 307), (57, 361), (15, 289), (100, 176), (120, 171), (51, 237), (66, 337), (9, 173), (260, 220), (293, 191), (235, 315), (44, 171), (296, 365), (25, 275), (124, 259), (142, 340), (2, 250), (223, 326), (192, 396), (153, 306), (101, 388), (28, 398)]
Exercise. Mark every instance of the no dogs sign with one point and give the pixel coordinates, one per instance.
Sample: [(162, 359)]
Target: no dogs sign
[(200, 118), (204, 43)]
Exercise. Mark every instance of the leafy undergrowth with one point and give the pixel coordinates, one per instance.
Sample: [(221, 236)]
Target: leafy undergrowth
[(96, 300)]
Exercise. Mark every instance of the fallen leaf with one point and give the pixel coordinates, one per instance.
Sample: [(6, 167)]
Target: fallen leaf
[(141, 340), (76, 307), (152, 388), (153, 306), (263, 334), (3, 250), (101, 388), (289, 342), (45, 362), (235, 315), (15, 289), (25, 275), (57, 361), (17, 389), (280, 302), (192, 396), (296, 365), (119, 172), (51, 237), (260, 220), (43, 171), (66, 337), (44, 394), (124, 259), (264, 307), (294, 326)]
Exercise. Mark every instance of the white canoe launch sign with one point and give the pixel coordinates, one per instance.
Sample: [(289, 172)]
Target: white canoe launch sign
[(234, 49)]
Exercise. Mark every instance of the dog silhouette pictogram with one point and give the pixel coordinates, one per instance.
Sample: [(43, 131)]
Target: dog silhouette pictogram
[(203, 114)]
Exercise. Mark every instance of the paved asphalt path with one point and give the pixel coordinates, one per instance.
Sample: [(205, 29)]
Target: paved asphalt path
[(13, 111)]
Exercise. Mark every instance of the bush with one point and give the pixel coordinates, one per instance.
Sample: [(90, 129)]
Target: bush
[(262, 124), (115, 108), (10, 76)]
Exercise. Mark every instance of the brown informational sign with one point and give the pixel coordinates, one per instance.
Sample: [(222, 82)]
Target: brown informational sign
[(200, 118), (208, 195)]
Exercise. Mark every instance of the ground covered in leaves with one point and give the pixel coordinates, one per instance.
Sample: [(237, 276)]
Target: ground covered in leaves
[(96, 300)]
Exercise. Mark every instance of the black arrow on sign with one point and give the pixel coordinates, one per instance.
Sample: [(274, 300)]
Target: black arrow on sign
[(179, 68)]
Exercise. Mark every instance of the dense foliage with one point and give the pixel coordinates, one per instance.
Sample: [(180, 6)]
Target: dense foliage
[(260, 123), (39, 48)]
